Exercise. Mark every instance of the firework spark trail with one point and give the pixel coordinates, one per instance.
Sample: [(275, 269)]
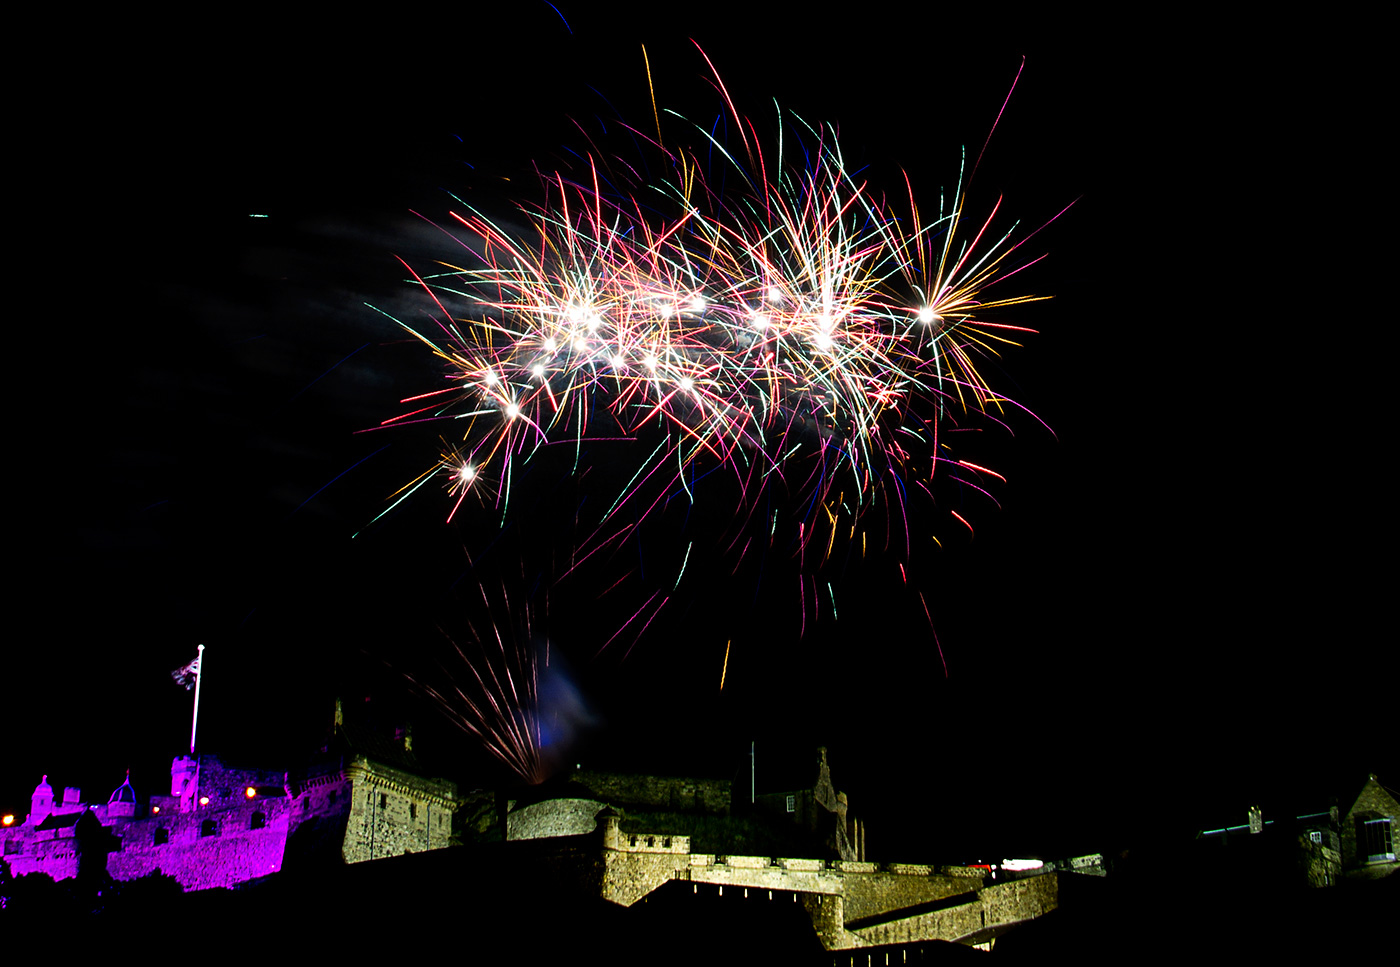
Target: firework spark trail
[(493, 692), (803, 334)]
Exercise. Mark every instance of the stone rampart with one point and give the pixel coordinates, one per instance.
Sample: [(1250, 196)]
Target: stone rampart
[(897, 903)]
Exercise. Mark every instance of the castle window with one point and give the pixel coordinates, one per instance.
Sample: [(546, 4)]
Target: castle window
[(413, 810), (162, 836), (792, 804), (1376, 841), (330, 800), (383, 800), (208, 828), (258, 821)]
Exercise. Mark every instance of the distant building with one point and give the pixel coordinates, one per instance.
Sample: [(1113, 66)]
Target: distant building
[(1319, 847)]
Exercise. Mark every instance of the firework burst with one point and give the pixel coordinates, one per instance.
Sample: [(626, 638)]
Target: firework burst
[(801, 333)]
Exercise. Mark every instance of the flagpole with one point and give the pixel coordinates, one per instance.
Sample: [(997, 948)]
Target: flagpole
[(198, 678)]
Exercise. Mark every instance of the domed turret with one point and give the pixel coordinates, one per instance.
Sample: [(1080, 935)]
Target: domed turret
[(41, 803), (122, 802)]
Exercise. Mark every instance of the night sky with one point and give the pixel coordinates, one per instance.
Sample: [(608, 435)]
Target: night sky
[(1171, 614)]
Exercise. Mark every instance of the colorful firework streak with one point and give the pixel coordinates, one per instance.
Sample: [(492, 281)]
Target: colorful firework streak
[(490, 689), (800, 334)]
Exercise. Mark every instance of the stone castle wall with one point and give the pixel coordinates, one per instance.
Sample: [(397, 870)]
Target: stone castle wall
[(206, 848), (393, 812)]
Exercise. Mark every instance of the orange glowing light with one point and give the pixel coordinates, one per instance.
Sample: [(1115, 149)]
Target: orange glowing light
[(155, 810), (204, 800), (9, 819), (250, 792)]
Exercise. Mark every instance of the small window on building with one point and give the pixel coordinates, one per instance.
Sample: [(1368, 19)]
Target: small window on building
[(383, 800), (330, 800), (792, 804), (413, 810), (208, 828), (1315, 836), (162, 836), (1377, 840), (258, 821)]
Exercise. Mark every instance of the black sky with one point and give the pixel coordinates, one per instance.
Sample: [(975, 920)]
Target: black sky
[(1170, 612)]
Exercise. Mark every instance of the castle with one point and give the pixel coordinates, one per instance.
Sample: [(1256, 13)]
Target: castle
[(607, 836), (223, 824)]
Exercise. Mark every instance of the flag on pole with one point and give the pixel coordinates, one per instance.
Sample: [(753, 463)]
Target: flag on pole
[(187, 675)]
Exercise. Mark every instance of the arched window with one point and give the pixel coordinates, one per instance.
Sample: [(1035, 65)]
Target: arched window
[(258, 821)]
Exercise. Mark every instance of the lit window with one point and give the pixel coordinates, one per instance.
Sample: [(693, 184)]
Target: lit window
[(1376, 840)]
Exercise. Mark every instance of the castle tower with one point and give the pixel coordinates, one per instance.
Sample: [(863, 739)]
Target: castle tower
[(41, 803), (611, 818), (184, 781)]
